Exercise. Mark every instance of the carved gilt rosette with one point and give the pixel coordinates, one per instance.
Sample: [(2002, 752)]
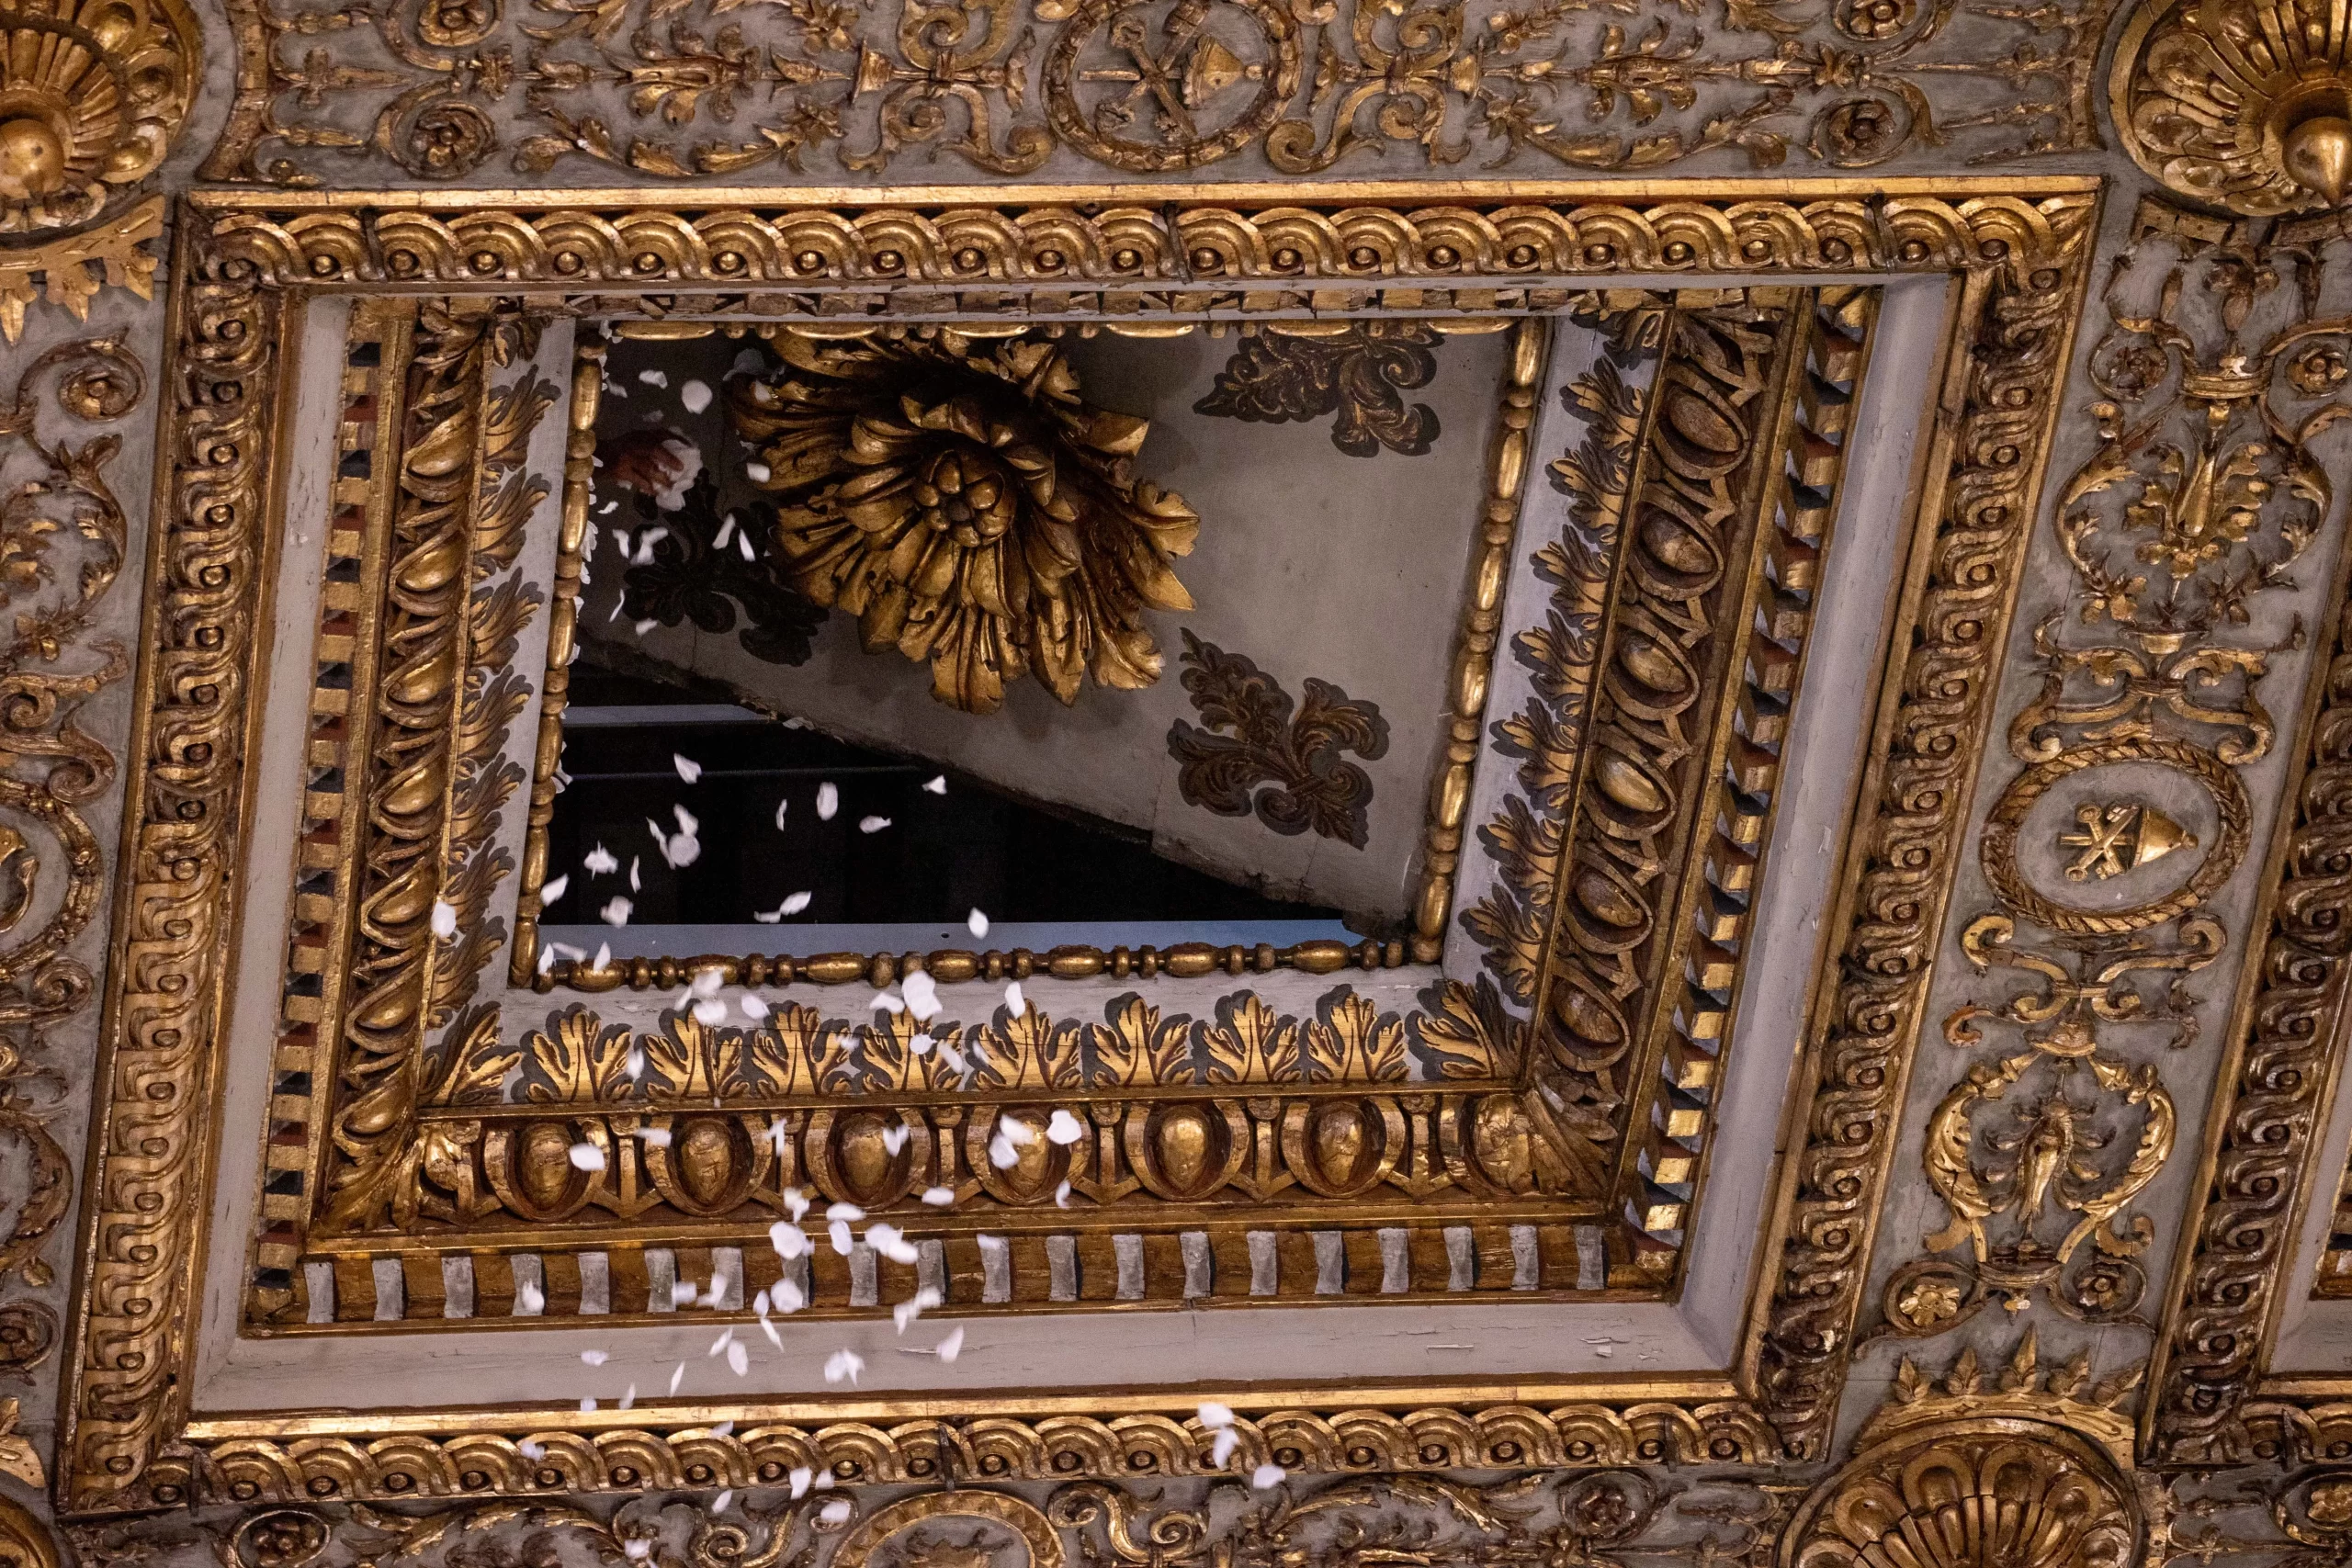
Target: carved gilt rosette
[(956, 495), (92, 93), (2246, 104)]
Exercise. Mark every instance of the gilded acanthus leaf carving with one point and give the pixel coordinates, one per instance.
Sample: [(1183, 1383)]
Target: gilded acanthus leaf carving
[(1257, 752), (435, 773), (959, 497), (689, 577), (1354, 371)]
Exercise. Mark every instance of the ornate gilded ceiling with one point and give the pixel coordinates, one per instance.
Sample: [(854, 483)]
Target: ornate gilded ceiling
[(1783, 573)]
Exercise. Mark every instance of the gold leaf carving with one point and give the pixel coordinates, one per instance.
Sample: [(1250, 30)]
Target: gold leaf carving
[(958, 496)]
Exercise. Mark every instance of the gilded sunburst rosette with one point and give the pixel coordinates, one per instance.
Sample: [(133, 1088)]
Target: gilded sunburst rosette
[(2243, 104), (956, 494), (94, 92), (2020, 1468)]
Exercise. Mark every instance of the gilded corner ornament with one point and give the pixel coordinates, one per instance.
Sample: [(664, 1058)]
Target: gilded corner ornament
[(2245, 104), (2020, 1468)]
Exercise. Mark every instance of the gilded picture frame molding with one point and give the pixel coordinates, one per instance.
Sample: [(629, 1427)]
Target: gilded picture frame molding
[(240, 278)]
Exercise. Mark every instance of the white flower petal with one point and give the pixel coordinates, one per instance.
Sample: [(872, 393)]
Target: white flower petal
[(695, 396), (444, 919), (836, 1513), (788, 1239), (1014, 1002), (935, 785), (1221, 1447), (1267, 1475), (1212, 1413), (844, 1364), (553, 888), (587, 1156), (976, 923), (1063, 1129), (923, 995), (828, 800), (780, 807), (952, 1346), (595, 1357), (738, 1359), (871, 824), (797, 902), (616, 911), (688, 769), (655, 1137), (677, 1377), (939, 1197)]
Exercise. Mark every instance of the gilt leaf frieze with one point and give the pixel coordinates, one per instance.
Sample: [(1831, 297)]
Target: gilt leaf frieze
[(813, 89)]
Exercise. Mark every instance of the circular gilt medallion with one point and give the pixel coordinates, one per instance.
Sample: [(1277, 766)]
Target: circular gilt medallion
[(953, 1530), (2116, 836), (2245, 104), (1170, 83), (91, 97), (1991, 1493)]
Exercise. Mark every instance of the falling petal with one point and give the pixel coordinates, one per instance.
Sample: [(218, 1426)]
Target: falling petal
[(654, 377), (753, 1006), (587, 1406), (695, 396), (839, 1231), (1267, 1475), (844, 1364), (756, 472), (444, 919), (952, 1346), (828, 800), (595, 1358), (1221, 1447), (1014, 1002), (886, 1001), (801, 1476), (796, 1203), (836, 1513), (587, 1156), (720, 1504), (629, 1400), (710, 1013), (1062, 1196), (738, 1359), (887, 1240), (939, 1197), (781, 807), (688, 769), (921, 1044), (894, 1139), (601, 861), (634, 886), (788, 1239), (923, 995), (552, 889), (677, 1377), (936, 784), (604, 955), (655, 1137), (978, 923), (797, 902), (1001, 1154), (871, 824), (1063, 1129), (616, 911), (1212, 1413)]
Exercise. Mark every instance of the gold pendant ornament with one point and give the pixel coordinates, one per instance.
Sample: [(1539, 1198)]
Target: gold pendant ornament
[(957, 496), (92, 94), (2246, 104)]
